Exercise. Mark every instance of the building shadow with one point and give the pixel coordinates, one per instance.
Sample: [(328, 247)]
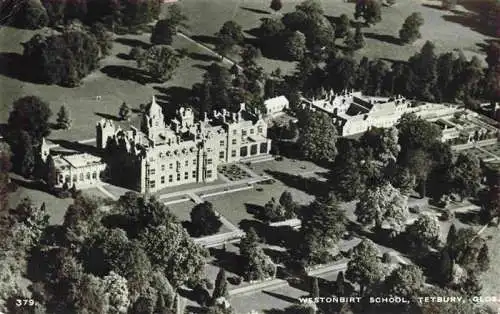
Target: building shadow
[(258, 11), (383, 37), (107, 116), (126, 73), (202, 57), (132, 42), (78, 147)]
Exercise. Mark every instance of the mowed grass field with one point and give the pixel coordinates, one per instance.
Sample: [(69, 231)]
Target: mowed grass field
[(448, 30)]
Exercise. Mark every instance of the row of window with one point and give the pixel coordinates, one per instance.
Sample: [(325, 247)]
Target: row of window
[(244, 132), (152, 183), (82, 177), (253, 149)]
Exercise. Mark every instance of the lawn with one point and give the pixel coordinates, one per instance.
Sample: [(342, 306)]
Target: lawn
[(448, 30), (116, 81)]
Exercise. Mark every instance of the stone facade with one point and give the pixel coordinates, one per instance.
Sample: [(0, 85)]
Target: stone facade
[(185, 150), (79, 170)]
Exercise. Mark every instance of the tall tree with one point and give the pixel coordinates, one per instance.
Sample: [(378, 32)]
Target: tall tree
[(276, 5), (163, 32), (63, 120), (204, 220), (323, 224), (124, 112), (383, 142), (364, 268), (220, 289), (30, 114), (382, 204), (51, 174), (423, 64), (104, 38), (405, 281), (318, 136), (340, 284), (424, 232), (295, 45), (315, 288), (341, 73), (369, 10), (483, 258), (160, 61), (229, 35), (256, 264), (466, 176), (359, 38), (410, 31), (342, 26)]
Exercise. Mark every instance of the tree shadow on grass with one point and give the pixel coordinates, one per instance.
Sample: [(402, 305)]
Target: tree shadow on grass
[(201, 66), (255, 210), (173, 97), (132, 42), (13, 65), (126, 73), (470, 20), (311, 186), (259, 11), (107, 116), (203, 57), (205, 39), (384, 38), (434, 6), (283, 236), (124, 56), (281, 296), (230, 261)]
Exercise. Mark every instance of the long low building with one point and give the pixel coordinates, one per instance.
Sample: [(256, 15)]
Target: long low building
[(354, 113)]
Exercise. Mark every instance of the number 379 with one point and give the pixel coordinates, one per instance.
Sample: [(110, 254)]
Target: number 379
[(25, 302)]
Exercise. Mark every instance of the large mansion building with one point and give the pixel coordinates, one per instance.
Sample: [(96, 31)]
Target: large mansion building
[(186, 151)]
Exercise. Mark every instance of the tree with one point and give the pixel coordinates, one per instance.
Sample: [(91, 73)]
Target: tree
[(256, 264), (30, 114), (104, 38), (451, 237), (341, 73), (136, 53), (364, 268), (369, 10), (383, 142), (405, 281), (359, 39), (416, 133), (295, 45), (448, 4), (323, 224), (342, 26), (382, 204), (410, 31), (204, 219), (286, 200), (32, 15), (51, 174), (248, 56), (466, 176), (483, 258), (424, 66), (349, 42), (318, 137), (315, 288), (424, 232), (62, 59), (229, 35), (163, 32), (63, 120), (124, 112), (160, 61), (445, 267), (176, 17), (276, 5), (340, 284), (220, 289), (115, 287), (171, 250)]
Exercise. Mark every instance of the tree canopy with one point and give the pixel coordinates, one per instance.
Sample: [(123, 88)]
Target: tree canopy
[(317, 137)]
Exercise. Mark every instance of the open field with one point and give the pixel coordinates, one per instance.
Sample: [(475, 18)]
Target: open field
[(116, 81), (448, 30)]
